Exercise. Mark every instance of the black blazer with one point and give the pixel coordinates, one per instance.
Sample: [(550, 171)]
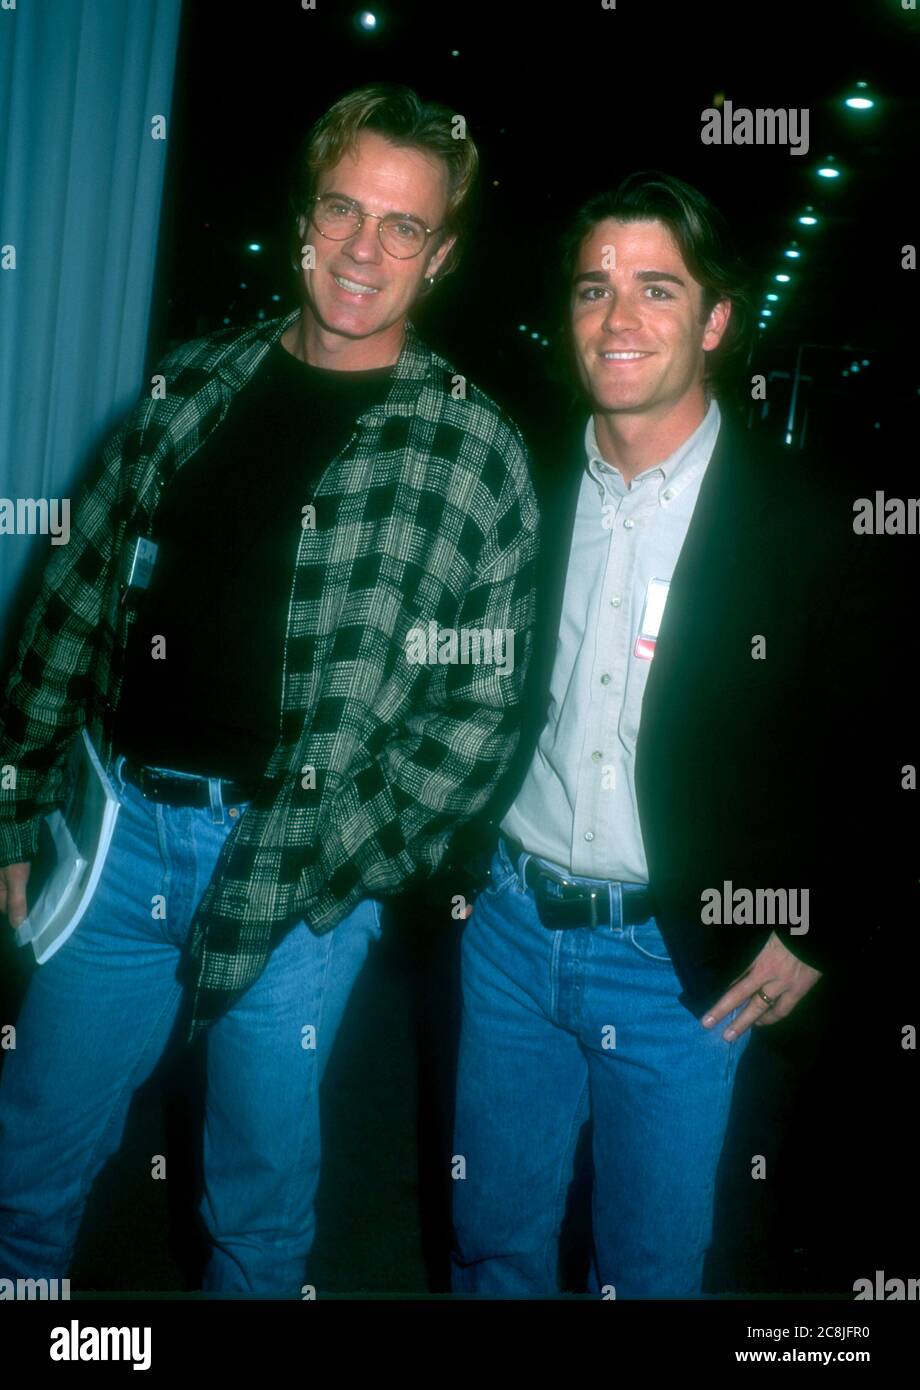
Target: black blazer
[(747, 771)]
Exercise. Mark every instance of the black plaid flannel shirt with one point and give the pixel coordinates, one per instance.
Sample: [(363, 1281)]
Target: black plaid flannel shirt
[(426, 514)]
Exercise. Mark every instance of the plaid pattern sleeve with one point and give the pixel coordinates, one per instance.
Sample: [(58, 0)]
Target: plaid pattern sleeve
[(46, 693), (61, 678)]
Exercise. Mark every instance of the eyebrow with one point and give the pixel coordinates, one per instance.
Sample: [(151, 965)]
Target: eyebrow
[(334, 193), (602, 277)]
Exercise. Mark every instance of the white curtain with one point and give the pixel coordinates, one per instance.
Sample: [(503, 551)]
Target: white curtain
[(82, 83)]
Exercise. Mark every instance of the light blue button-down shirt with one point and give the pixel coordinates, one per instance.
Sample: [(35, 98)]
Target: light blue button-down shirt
[(577, 806)]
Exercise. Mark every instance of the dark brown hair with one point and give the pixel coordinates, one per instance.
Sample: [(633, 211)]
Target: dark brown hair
[(705, 243)]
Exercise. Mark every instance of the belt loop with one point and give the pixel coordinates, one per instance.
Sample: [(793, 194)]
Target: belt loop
[(217, 806), (616, 889), (117, 777), (521, 868)]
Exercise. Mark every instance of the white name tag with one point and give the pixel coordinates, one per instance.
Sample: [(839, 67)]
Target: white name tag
[(655, 598)]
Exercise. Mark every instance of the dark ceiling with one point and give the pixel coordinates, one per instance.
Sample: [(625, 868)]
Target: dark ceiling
[(563, 99)]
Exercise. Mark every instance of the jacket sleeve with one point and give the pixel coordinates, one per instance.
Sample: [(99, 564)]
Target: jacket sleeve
[(849, 814), (44, 703), (395, 816)]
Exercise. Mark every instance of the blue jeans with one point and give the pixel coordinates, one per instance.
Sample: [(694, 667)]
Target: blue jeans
[(557, 1025), (96, 1019)]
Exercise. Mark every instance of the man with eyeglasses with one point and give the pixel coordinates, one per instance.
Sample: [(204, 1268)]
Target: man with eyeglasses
[(314, 491)]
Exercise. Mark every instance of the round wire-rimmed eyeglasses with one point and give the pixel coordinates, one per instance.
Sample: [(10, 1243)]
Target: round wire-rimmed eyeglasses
[(401, 235)]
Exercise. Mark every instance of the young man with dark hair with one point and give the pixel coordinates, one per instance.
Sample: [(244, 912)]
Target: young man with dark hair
[(319, 492), (703, 633)]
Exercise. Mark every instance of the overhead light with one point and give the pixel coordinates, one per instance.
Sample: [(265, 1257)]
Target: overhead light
[(861, 102), (783, 279), (792, 254), (767, 313), (827, 171), (772, 297)]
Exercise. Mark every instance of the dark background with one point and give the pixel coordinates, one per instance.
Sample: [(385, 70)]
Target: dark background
[(563, 101)]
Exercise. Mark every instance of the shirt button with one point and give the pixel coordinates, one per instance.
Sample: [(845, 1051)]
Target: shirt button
[(596, 756), (233, 811), (629, 524), (589, 835), (605, 679), (615, 602), (667, 495)]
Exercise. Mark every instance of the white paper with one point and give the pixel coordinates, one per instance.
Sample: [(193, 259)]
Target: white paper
[(81, 835), (655, 598)]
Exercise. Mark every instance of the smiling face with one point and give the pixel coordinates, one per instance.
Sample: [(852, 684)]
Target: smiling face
[(359, 295), (639, 340)]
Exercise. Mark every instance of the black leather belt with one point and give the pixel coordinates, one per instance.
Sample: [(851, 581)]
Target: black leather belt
[(181, 791), (562, 903)]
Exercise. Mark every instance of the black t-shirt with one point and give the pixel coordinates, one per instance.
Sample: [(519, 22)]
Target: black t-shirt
[(227, 528)]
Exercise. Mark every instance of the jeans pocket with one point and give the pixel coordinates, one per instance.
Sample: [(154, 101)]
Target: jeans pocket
[(649, 942), (501, 872), (117, 779)]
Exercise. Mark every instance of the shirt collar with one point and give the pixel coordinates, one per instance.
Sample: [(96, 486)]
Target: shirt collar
[(416, 363), (695, 449)]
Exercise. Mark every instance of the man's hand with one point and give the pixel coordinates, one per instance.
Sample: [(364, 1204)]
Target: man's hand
[(783, 978), (13, 880)]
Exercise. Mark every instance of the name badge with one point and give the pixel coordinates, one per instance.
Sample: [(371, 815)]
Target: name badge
[(655, 598), (138, 560)]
